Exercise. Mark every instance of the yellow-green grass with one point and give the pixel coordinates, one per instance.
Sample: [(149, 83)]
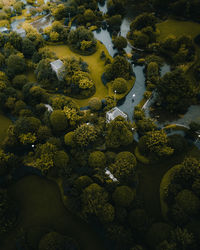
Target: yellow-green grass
[(4, 124), (42, 210), (140, 157), (177, 28), (96, 67)]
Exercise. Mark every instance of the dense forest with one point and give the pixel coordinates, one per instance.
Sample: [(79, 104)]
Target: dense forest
[(100, 125)]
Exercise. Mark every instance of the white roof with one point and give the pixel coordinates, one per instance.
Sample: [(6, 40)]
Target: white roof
[(115, 112), (2, 29), (58, 64)]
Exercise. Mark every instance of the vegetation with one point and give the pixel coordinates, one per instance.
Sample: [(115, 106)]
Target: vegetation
[(71, 178)]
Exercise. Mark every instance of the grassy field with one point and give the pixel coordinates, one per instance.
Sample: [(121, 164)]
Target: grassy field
[(42, 210), (177, 28), (4, 124), (96, 67)]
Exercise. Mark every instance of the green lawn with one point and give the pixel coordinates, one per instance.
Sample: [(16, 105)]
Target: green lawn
[(4, 124), (177, 28), (42, 210)]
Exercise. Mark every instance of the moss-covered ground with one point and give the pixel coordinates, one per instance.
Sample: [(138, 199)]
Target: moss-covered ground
[(42, 210)]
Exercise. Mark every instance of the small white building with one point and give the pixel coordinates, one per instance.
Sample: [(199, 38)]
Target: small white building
[(4, 30), (21, 32), (113, 113), (58, 67)]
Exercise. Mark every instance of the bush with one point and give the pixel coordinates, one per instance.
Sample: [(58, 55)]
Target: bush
[(120, 85), (95, 104), (97, 159)]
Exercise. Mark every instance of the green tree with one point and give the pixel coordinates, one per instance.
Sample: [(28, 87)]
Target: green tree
[(119, 85), (124, 167), (95, 104), (43, 70), (119, 68), (15, 65), (58, 120), (94, 199), (155, 144), (118, 132), (28, 48), (123, 196), (97, 159), (120, 42), (85, 135), (175, 91)]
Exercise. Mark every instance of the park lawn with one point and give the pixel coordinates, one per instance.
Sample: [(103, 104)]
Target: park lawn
[(150, 177), (177, 28), (41, 211), (4, 124), (96, 67)]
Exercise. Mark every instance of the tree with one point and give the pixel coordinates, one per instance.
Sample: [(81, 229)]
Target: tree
[(89, 15), (120, 42), (44, 70), (45, 154), (119, 85), (107, 213), (60, 12), (123, 196), (145, 125), (68, 138), (120, 67), (82, 34), (85, 135), (94, 199), (124, 167), (95, 104), (15, 65), (142, 21), (118, 132), (188, 201), (28, 48), (175, 91), (19, 81), (97, 159), (155, 144), (58, 120)]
